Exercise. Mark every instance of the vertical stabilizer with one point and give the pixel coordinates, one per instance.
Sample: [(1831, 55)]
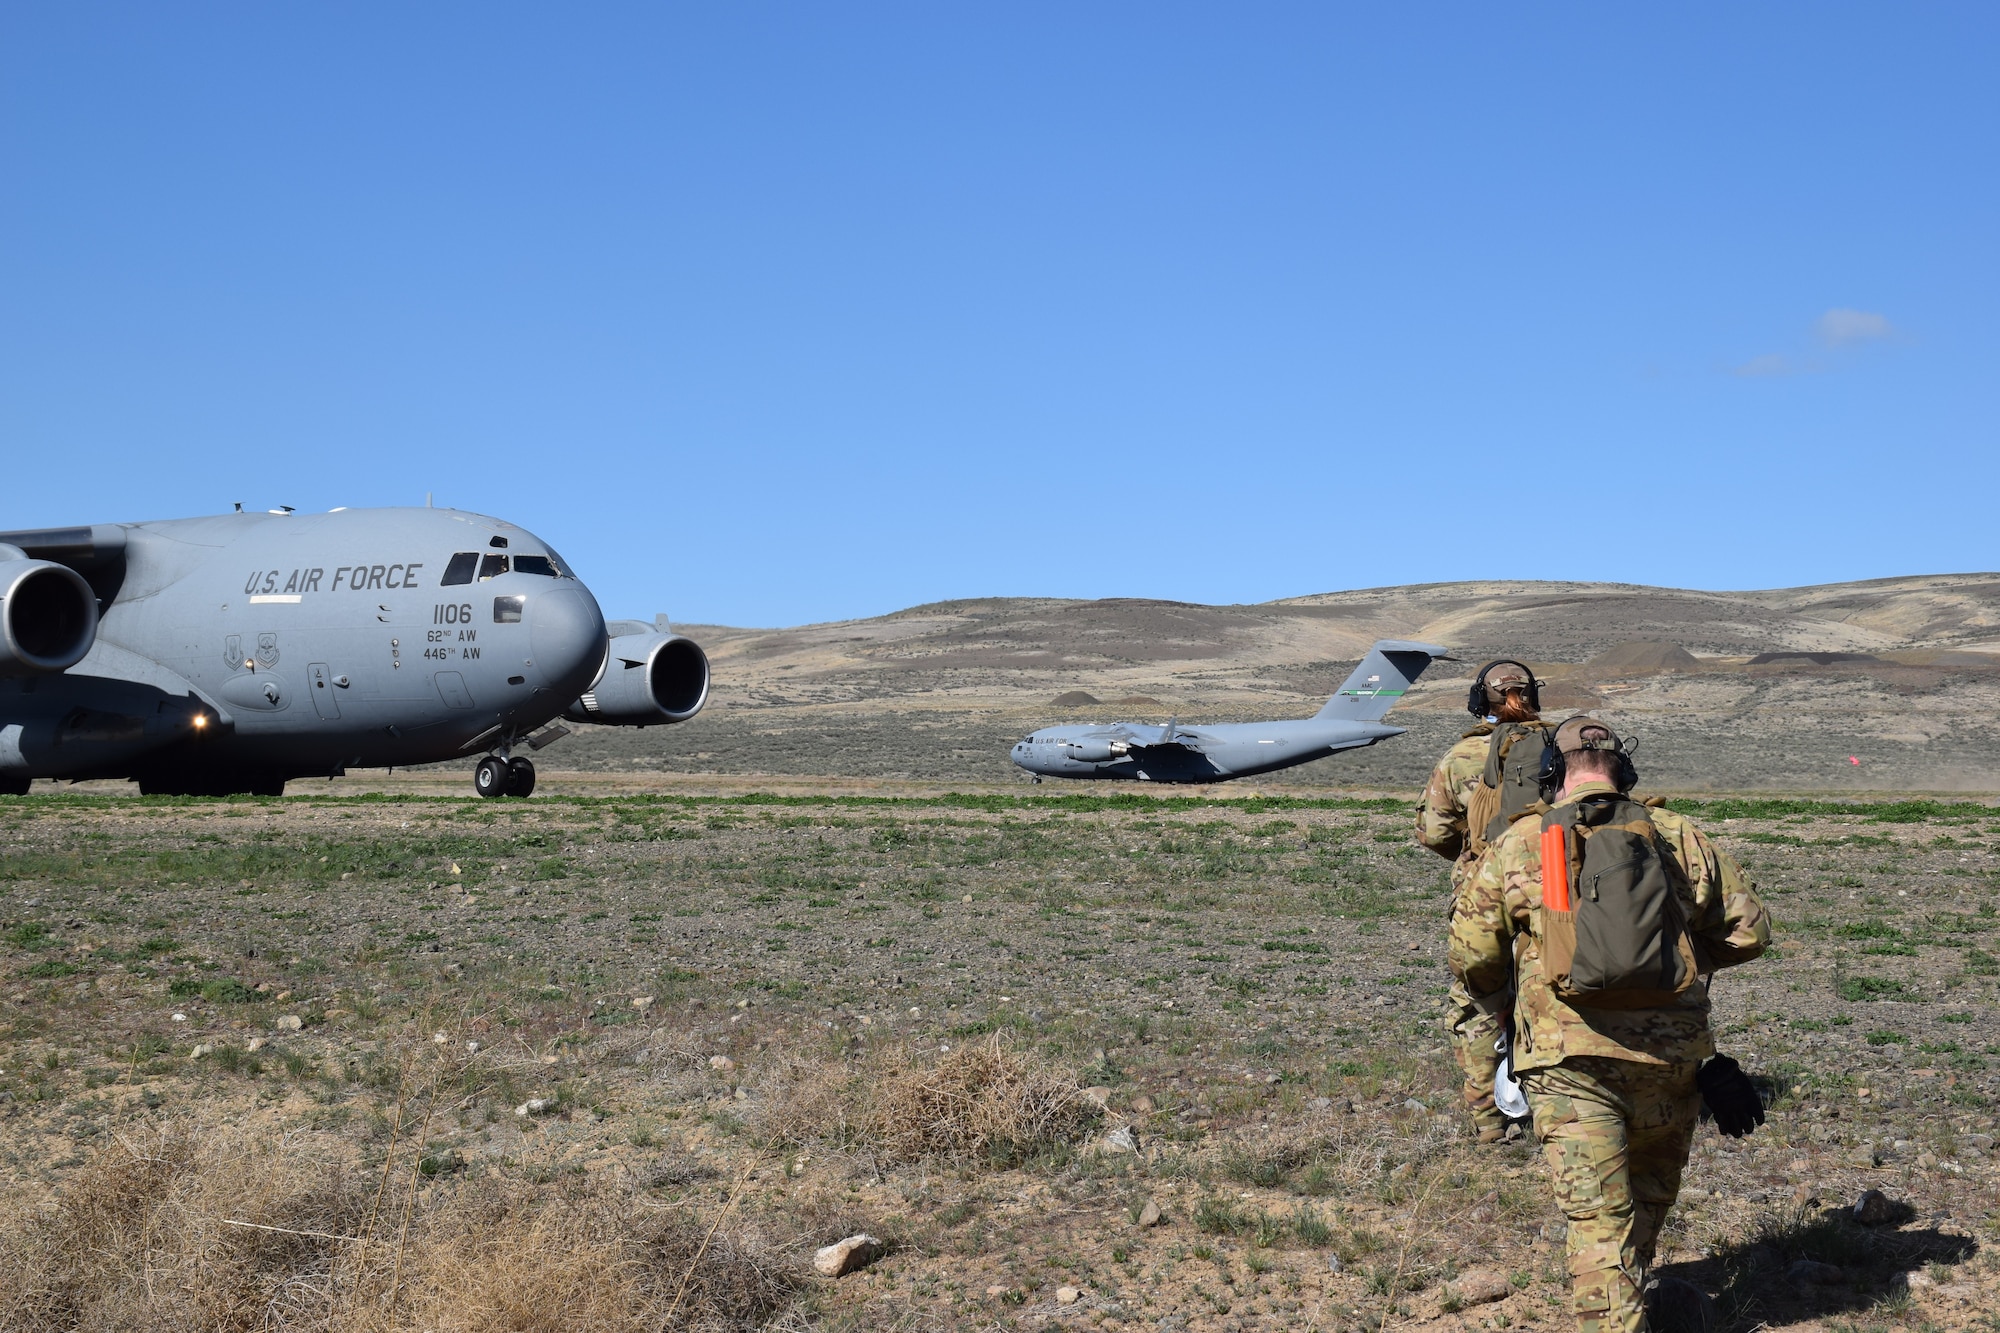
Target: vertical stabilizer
[(1380, 682)]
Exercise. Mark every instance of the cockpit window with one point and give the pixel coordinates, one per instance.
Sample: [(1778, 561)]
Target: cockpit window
[(492, 565), (507, 610), (461, 568), (536, 564)]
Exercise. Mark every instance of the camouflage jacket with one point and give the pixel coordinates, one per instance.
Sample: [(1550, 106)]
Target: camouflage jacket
[(1495, 925), (1441, 812)]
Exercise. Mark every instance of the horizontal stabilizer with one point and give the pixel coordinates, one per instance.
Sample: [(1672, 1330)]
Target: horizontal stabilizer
[(1379, 683)]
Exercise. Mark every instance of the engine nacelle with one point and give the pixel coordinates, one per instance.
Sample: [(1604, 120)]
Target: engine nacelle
[(648, 680), (48, 616), (1095, 751)]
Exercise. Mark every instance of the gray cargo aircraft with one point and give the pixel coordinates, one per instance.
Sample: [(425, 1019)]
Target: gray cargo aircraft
[(208, 656), (1174, 753)]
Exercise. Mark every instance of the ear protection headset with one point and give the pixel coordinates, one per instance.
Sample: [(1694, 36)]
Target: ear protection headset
[(1554, 770), (1476, 704)]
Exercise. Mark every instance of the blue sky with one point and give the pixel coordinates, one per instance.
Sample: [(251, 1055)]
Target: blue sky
[(774, 313)]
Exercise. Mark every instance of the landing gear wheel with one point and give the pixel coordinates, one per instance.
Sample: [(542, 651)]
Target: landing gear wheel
[(14, 786), (490, 778), (520, 777)]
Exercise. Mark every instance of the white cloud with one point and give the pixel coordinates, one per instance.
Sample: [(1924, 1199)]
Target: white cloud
[(1769, 365), (1838, 326)]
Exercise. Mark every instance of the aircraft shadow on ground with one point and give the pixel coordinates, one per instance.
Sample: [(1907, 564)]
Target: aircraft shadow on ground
[(1765, 1280)]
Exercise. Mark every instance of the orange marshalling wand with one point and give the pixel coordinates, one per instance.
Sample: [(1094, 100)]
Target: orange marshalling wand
[(1555, 869)]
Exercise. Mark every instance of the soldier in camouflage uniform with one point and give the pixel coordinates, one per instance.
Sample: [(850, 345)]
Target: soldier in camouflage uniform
[(1613, 1089), (1443, 826)]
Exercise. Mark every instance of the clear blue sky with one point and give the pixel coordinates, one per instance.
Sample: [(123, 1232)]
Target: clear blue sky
[(773, 313)]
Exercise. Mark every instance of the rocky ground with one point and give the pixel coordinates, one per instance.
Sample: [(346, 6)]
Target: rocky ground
[(1129, 1063)]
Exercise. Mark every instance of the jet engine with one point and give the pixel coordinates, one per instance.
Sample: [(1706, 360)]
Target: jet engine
[(648, 680), (48, 615), (1095, 751)]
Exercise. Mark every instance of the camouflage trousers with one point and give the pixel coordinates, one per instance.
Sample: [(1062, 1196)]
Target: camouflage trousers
[(1616, 1135), (1472, 1036)]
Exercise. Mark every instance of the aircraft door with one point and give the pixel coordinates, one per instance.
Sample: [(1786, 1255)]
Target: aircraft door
[(321, 681)]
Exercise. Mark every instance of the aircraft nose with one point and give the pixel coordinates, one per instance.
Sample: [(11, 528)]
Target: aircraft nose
[(566, 632)]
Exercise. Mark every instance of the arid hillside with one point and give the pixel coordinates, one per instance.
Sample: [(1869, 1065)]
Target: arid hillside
[(1892, 684)]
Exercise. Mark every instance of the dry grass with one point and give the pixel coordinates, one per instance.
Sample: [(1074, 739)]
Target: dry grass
[(986, 1101), (977, 1101), (153, 1236)]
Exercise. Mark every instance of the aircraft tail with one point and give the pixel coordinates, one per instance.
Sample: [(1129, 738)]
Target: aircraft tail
[(1379, 683)]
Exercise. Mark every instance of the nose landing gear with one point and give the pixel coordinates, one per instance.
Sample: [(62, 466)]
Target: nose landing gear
[(499, 776)]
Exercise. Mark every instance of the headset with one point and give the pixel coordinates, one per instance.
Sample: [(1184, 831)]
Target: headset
[(1475, 703), (1554, 770)]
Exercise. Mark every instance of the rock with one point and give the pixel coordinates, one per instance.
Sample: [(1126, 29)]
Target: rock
[(1479, 1286), (1874, 1209), (1412, 1104), (997, 1290), (1927, 1161), (1150, 1215), (642, 1002), (721, 1062), (1068, 1295), (1121, 1139), (1983, 1142), (200, 1051), (1333, 1264), (847, 1256), (178, 1018), (256, 1044), (1865, 1156), (1919, 1280), (1201, 1112), (1144, 1105), (1812, 1273), (289, 1023), (1674, 1306), (1098, 1097), (1320, 1104), (536, 1106)]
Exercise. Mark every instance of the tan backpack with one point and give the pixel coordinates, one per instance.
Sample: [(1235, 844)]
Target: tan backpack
[(1614, 918), (1509, 788)]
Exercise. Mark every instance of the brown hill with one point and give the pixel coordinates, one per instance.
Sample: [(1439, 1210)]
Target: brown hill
[(1639, 657), (938, 691)]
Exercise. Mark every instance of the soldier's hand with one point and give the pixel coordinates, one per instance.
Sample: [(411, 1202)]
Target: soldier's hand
[(1730, 1095)]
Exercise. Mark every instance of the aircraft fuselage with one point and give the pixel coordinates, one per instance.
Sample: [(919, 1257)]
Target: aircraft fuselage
[(288, 645)]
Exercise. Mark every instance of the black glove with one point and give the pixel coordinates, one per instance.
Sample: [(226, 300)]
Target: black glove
[(1732, 1099)]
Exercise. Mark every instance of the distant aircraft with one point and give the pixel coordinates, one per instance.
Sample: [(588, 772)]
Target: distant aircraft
[(1176, 753), (206, 656)]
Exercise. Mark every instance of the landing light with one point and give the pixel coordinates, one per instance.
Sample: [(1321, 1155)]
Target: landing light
[(200, 721)]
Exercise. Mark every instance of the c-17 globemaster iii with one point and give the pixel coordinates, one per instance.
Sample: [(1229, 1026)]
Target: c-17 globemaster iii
[(206, 656), (1177, 753)]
